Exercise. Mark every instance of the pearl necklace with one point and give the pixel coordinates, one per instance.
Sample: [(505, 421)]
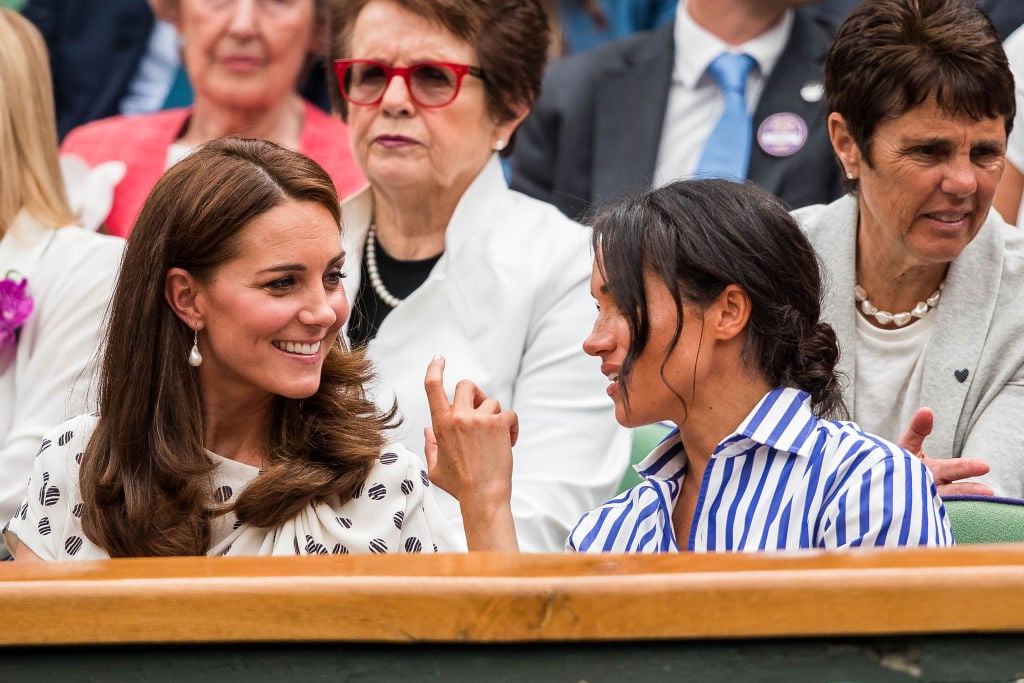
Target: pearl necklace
[(897, 319), (371, 267)]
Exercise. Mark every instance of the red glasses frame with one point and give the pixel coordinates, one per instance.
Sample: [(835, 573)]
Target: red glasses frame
[(341, 67)]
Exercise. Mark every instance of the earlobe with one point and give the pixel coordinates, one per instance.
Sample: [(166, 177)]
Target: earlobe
[(182, 294), (503, 131)]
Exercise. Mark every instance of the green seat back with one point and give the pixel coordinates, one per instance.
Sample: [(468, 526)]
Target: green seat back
[(644, 440), (981, 519)]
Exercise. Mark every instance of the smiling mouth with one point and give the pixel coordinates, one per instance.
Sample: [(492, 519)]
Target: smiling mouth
[(949, 217), (300, 349)]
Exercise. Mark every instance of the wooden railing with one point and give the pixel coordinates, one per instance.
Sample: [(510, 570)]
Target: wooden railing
[(490, 598)]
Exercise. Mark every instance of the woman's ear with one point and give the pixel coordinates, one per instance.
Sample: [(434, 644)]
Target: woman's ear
[(731, 313), (181, 291), (844, 145), (503, 131)]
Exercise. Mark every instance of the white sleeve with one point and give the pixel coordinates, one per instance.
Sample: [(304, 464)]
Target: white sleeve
[(571, 453), (57, 352)]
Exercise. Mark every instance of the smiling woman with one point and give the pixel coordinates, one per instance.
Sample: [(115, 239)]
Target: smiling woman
[(232, 418), (263, 323), (924, 278)]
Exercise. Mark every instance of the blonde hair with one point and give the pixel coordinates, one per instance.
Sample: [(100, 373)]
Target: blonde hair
[(29, 168)]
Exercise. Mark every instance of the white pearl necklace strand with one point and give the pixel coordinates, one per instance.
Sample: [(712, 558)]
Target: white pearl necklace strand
[(897, 319), (371, 267)]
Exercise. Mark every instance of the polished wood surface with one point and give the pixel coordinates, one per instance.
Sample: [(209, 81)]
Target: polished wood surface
[(515, 598)]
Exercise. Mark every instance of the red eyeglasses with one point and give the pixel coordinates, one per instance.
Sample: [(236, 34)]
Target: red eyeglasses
[(430, 84)]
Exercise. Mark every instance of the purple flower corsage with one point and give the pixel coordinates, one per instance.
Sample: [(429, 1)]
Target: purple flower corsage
[(15, 307)]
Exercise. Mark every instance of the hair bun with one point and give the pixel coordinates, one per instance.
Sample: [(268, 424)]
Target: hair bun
[(815, 364)]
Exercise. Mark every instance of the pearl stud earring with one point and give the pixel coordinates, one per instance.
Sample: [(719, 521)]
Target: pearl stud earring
[(499, 145)]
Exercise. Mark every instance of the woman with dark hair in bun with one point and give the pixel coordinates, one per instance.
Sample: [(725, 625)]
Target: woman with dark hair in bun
[(709, 300)]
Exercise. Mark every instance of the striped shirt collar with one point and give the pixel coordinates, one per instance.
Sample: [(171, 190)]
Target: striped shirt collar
[(781, 420)]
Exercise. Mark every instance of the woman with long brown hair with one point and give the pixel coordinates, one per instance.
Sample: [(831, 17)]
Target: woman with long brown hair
[(232, 419)]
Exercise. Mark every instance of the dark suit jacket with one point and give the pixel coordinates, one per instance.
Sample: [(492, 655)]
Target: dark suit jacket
[(593, 136), (1007, 15), (95, 47)]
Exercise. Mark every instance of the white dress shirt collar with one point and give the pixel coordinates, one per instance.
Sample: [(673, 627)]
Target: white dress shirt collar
[(702, 46)]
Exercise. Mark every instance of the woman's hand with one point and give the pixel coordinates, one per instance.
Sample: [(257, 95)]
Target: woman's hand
[(947, 472), (469, 455)]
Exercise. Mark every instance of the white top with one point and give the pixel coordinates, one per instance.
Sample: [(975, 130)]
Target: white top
[(508, 304), (890, 369), (71, 275), (695, 101), (1014, 47), (393, 512)]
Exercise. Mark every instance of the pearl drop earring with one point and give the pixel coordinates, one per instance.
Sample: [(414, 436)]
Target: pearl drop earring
[(195, 359)]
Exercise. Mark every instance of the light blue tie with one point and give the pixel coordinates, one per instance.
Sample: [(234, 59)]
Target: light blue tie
[(727, 151)]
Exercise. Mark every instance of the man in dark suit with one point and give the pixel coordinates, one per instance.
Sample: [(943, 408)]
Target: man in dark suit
[(608, 121), (95, 48), (1007, 15)]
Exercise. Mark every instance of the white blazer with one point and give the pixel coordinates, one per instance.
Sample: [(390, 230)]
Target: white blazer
[(46, 377), (508, 306)]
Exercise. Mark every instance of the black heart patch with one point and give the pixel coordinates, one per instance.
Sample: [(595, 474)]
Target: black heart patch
[(961, 375)]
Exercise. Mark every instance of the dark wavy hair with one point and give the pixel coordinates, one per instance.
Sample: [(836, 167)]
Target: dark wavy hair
[(510, 39), (890, 56), (145, 476), (698, 237)]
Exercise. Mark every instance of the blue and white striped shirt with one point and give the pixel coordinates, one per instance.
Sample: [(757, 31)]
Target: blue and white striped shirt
[(785, 479)]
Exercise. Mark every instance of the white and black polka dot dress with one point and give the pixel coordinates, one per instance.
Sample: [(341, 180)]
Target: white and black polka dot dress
[(393, 511)]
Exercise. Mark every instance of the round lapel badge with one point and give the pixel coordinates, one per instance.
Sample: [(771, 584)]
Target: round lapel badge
[(812, 91), (782, 134)]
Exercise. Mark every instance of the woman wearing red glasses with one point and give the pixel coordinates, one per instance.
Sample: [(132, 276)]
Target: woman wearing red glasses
[(444, 259)]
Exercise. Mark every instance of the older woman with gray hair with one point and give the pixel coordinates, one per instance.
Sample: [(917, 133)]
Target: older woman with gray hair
[(924, 279)]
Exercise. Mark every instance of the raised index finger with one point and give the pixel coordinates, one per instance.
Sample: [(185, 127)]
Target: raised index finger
[(433, 383)]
